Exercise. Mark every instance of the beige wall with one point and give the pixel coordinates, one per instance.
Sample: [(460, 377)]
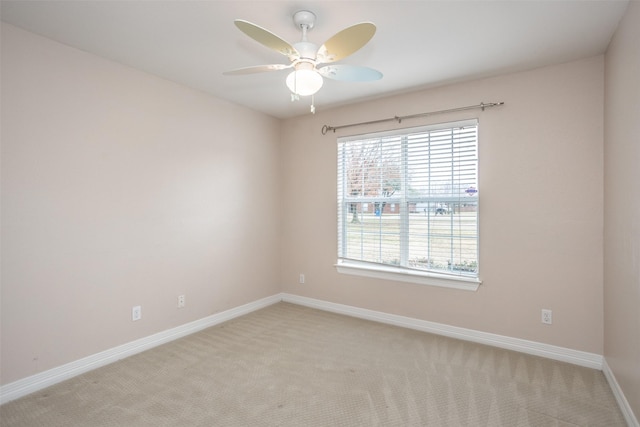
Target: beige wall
[(541, 189), (119, 189), (622, 207)]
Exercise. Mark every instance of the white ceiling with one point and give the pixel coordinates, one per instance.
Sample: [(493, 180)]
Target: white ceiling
[(418, 44)]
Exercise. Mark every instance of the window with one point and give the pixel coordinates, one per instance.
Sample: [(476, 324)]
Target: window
[(408, 205)]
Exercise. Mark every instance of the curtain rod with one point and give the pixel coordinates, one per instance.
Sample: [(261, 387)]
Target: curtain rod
[(399, 119)]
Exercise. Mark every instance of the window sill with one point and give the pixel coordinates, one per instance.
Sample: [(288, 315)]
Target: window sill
[(402, 275)]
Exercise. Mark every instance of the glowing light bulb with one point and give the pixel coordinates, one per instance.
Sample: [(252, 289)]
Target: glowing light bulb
[(304, 81)]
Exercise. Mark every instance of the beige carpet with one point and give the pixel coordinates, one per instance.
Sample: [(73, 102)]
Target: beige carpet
[(288, 365)]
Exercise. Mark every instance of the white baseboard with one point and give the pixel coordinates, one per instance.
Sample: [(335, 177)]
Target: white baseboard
[(575, 357), (53, 376), (623, 403)]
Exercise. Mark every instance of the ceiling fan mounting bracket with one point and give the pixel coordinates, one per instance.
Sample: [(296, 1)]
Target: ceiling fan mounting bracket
[(304, 19)]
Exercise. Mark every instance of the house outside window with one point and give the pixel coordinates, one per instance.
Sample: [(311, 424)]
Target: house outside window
[(408, 205)]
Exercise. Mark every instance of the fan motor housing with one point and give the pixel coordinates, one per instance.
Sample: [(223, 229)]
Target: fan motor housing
[(307, 50)]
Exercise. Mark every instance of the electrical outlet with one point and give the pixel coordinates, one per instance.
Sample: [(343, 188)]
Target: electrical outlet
[(181, 301), (301, 279), (136, 313), (547, 317)]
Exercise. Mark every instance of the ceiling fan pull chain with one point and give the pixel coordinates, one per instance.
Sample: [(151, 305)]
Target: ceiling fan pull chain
[(313, 107), (294, 92)]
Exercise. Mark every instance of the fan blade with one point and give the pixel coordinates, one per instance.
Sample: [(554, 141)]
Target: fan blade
[(346, 42), (267, 38), (257, 69), (350, 73)]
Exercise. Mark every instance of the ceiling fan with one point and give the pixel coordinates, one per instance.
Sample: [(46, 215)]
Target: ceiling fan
[(310, 63)]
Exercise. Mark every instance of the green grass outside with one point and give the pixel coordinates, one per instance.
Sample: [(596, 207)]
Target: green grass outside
[(442, 242)]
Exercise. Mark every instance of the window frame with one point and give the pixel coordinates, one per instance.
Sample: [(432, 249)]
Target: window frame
[(402, 273)]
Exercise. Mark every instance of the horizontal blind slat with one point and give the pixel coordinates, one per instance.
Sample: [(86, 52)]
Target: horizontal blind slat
[(426, 171)]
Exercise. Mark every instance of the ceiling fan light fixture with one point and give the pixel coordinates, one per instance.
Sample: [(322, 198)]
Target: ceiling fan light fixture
[(305, 80)]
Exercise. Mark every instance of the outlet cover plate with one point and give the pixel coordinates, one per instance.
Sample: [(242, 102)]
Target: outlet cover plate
[(136, 313)]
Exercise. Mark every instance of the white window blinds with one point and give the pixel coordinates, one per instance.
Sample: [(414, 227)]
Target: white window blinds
[(409, 199)]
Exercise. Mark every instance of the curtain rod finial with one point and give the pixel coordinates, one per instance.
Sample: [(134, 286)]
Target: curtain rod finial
[(327, 128)]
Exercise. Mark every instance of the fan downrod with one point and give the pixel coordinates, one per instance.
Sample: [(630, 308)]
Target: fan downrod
[(304, 19)]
